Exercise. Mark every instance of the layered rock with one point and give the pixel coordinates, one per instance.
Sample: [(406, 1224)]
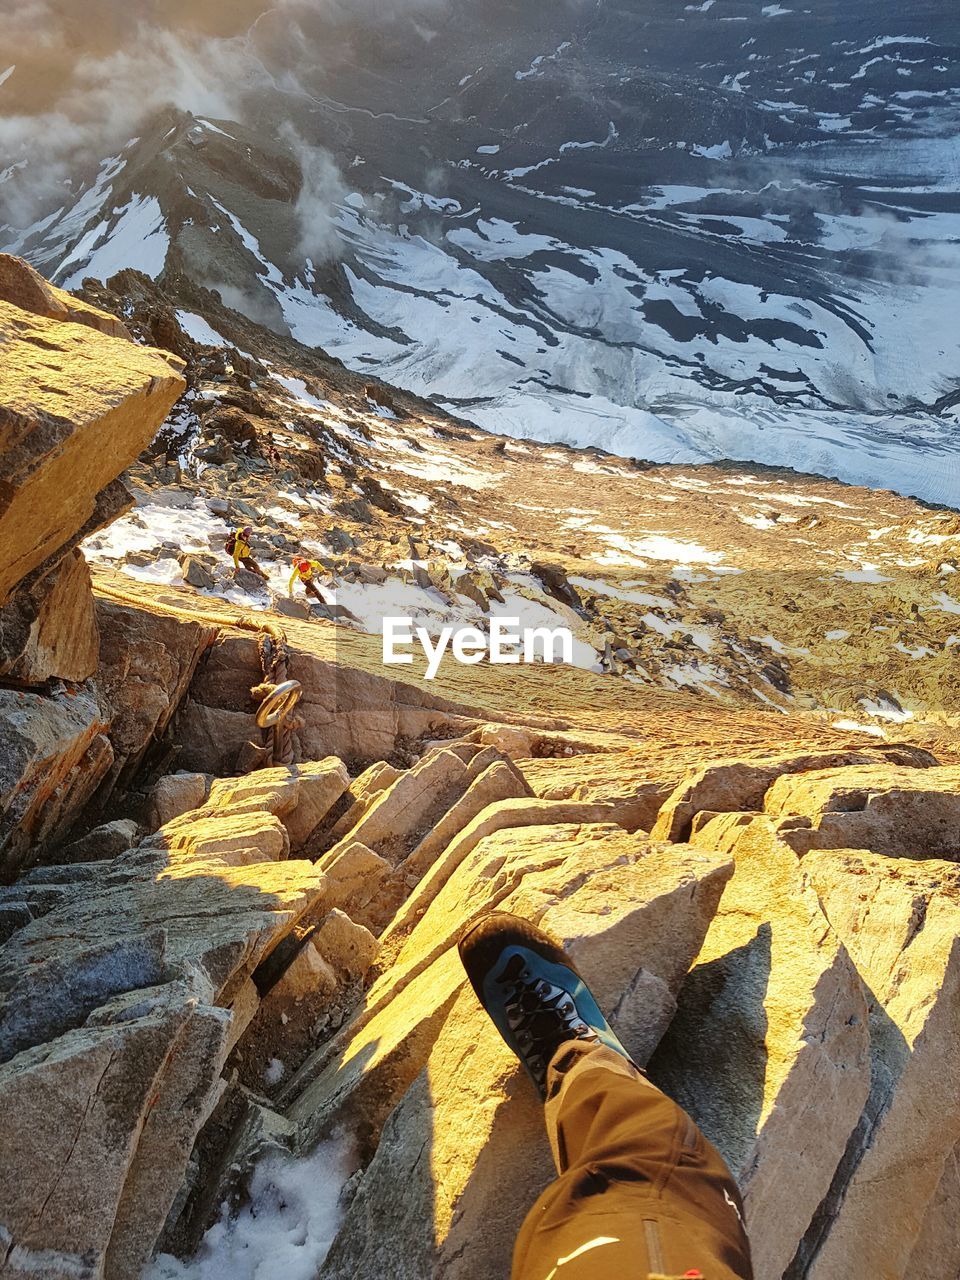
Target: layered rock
[(770, 1047), (633, 936), (903, 812), (119, 1004), (50, 627), (79, 401), (902, 931)]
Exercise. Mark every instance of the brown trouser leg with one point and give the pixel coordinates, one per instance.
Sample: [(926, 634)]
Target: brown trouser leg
[(314, 591), (248, 562), (640, 1191)]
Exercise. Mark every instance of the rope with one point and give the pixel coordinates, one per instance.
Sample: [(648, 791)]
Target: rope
[(279, 743)]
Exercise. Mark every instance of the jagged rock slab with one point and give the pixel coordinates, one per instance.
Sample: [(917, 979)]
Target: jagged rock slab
[(393, 823), (909, 813), (110, 1110), (135, 926), (503, 815), (529, 870), (936, 1252), (354, 803), (147, 661), (53, 753), (464, 1155), (26, 288), (76, 408), (239, 839), (497, 782), (900, 922), (176, 794), (301, 795), (49, 629), (262, 816), (770, 1047)]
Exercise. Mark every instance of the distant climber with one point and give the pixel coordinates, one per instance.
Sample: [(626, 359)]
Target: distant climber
[(306, 571), (238, 546), (640, 1191)]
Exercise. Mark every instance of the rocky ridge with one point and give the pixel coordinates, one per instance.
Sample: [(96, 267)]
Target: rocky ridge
[(744, 584), (231, 1011)]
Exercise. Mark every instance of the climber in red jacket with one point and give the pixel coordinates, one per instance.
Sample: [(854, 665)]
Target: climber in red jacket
[(640, 1192)]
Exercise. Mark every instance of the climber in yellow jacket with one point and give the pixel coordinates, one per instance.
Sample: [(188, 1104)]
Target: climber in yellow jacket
[(238, 546), (305, 571)]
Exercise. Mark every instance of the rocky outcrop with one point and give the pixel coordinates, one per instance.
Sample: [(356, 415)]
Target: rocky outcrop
[(25, 288), (729, 786), (54, 752), (469, 1106), (902, 933), (770, 1047), (903, 812), (119, 1003), (76, 408), (78, 403), (822, 998), (263, 1002), (49, 629), (348, 712)]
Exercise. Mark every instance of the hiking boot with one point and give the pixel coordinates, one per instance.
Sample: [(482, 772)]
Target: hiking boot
[(529, 987)]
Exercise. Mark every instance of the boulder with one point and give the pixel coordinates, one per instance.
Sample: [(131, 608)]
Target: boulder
[(25, 288), (910, 813), (104, 842), (292, 607), (769, 1051), (354, 874), (239, 839), (49, 626), (65, 389), (111, 1111), (300, 796), (197, 574), (348, 948), (247, 580), (176, 794)]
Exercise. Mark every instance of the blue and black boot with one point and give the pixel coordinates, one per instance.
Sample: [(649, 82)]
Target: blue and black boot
[(530, 989)]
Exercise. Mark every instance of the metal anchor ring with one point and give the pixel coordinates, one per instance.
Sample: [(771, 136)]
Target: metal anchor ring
[(277, 706)]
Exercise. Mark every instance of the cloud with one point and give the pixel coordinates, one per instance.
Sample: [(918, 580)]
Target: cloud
[(103, 105), (88, 76), (324, 187)]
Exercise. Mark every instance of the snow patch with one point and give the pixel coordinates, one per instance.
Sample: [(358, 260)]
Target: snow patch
[(286, 1229)]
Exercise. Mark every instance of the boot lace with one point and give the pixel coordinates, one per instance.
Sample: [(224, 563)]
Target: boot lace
[(541, 1016)]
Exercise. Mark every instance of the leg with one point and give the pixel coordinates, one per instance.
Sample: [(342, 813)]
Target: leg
[(641, 1191), (314, 590), (248, 562)]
